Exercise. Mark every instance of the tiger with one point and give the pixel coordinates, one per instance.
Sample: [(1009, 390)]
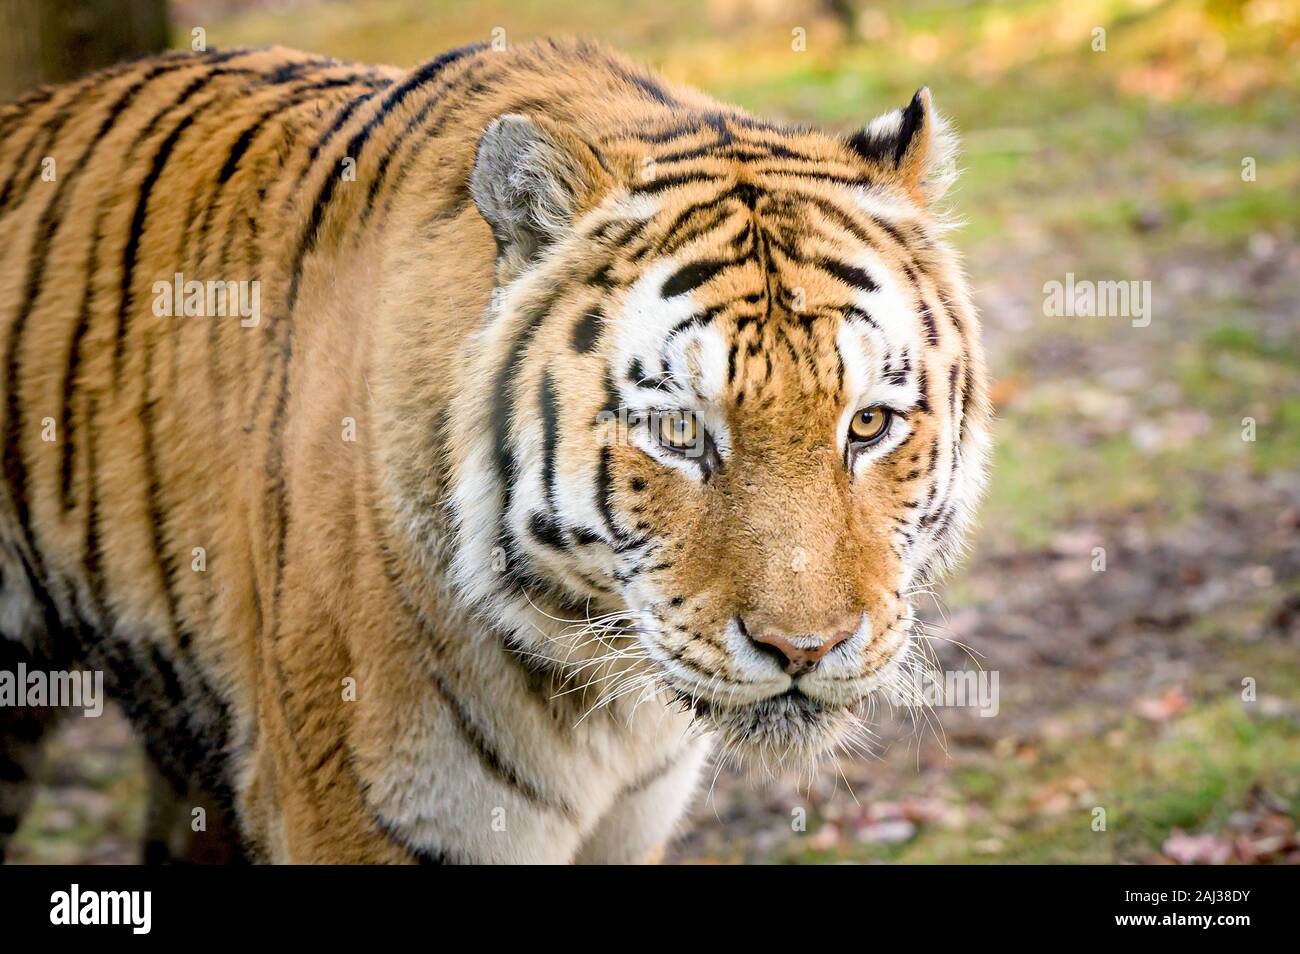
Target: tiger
[(552, 431)]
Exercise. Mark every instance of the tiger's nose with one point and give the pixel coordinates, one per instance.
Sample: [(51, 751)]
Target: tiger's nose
[(800, 653)]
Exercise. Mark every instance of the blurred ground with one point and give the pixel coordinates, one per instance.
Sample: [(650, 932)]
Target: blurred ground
[(1121, 689)]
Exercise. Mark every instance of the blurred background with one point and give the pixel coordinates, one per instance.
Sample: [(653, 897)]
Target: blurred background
[(1135, 584)]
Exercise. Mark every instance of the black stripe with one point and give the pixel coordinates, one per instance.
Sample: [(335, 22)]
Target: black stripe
[(663, 183), (898, 376), (699, 318), (782, 151), (503, 402), (698, 123), (547, 530), (923, 389), (853, 313), (586, 331), (927, 319), (131, 249), (136, 232), (747, 194), (21, 109), (636, 373), (550, 433), (92, 560), (604, 495), (967, 395), (601, 278), (690, 277), (691, 127), (913, 121), (612, 399), (850, 275), (814, 175), (954, 404), (674, 239), (422, 856), (631, 232), (646, 84), (841, 218), (475, 737), (585, 536), (711, 150), (155, 511)]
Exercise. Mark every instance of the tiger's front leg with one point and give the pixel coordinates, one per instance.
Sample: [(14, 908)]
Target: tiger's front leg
[(642, 821), (305, 824)]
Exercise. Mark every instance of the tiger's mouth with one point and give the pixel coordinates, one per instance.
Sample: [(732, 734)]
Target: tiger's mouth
[(789, 727), (799, 724), (769, 717)]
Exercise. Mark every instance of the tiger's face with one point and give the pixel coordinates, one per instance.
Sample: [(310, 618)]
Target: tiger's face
[(737, 416)]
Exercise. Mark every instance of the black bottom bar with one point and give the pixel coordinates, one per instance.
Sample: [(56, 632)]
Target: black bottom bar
[(330, 904)]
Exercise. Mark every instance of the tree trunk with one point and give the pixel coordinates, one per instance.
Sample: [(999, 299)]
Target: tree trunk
[(49, 41)]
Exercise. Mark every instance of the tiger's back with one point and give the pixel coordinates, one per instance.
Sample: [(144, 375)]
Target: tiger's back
[(131, 428)]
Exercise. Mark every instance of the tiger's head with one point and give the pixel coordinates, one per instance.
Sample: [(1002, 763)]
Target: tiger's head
[(726, 412)]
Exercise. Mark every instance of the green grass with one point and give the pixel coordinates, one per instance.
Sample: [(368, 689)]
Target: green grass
[(1190, 774)]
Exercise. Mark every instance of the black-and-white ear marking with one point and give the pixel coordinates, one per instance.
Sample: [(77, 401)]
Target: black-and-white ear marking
[(913, 144), (526, 185)]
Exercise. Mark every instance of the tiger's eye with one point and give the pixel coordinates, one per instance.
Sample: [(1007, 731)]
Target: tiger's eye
[(869, 425), (678, 429)]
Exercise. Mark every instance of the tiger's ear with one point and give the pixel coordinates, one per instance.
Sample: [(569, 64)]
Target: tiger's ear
[(913, 145), (529, 183)]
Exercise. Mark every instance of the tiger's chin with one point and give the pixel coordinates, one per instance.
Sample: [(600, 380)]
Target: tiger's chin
[(787, 730)]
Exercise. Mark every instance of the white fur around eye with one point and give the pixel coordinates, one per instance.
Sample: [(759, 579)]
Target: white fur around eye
[(642, 438), (695, 359), (899, 430), (862, 348)]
